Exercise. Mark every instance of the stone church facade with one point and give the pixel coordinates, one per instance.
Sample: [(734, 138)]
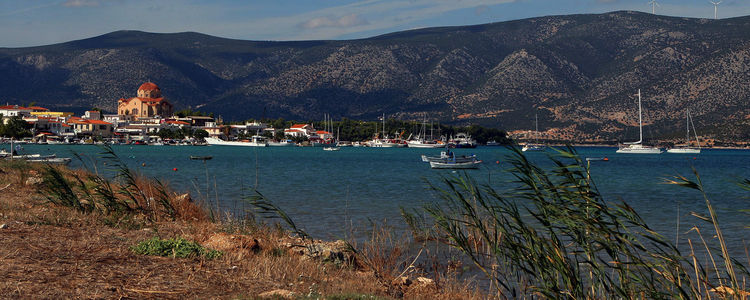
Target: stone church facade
[(148, 103)]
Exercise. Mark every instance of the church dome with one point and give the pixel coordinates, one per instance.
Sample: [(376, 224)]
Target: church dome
[(148, 86), (149, 90)]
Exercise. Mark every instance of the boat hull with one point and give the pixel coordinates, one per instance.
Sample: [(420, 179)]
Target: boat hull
[(424, 145), (533, 148), (455, 165), (638, 149), (218, 142), (684, 150)]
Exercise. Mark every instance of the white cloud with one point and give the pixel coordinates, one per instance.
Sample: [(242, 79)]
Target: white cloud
[(349, 20), (80, 3)]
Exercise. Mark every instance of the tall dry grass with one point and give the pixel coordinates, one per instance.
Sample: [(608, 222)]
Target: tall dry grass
[(553, 235), (128, 194)]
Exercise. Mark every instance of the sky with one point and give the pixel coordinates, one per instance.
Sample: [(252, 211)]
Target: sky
[(26, 23)]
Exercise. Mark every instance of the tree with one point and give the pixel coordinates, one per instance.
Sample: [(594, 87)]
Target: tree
[(200, 134), (15, 128)]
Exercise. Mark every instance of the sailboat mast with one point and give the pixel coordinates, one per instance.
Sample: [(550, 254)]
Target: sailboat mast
[(536, 128), (640, 118), (687, 125), (383, 125)]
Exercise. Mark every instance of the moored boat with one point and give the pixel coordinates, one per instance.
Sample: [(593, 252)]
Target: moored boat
[(474, 164), (687, 149), (448, 156), (638, 147), (256, 141), (206, 157), (283, 143)]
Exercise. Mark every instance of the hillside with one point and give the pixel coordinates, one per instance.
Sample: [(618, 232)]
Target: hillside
[(579, 72)]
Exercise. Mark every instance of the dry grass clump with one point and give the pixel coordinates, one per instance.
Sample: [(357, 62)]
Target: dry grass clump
[(553, 235)]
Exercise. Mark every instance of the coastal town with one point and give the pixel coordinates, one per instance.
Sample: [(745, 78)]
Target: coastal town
[(139, 120), (150, 119)]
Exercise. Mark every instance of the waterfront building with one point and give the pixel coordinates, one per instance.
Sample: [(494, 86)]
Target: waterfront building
[(91, 127), (300, 130), (148, 103), (14, 111), (92, 115)]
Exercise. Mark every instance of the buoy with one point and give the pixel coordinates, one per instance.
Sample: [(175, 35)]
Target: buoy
[(175, 169), (695, 158), (497, 161), (605, 159), (143, 164)]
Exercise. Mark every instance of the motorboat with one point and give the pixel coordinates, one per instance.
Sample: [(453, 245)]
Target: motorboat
[(463, 140), (282, 143)]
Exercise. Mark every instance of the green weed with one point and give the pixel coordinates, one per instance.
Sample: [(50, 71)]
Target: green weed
[(176, 248)]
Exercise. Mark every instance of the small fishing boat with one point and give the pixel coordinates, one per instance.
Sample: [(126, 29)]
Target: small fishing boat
[(448, 156), (282, 143), (207, 157), (597, 159), (51, 160), (474, 164), (331, 148)]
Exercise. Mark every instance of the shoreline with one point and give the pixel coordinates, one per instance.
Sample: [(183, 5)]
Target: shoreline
[(87, 249)]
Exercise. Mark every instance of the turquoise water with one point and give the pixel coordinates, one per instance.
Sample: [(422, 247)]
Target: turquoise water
[(329, 193)]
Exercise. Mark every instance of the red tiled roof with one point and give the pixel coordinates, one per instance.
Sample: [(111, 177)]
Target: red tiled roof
[(322, 132), (148, 86), (178, 122), (37, 108), (13, 107), (296, 126), (98, 122)]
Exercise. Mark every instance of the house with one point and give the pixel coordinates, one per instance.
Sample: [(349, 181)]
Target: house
[(92, 115), (201, 121), (14, 111), (300, 130), (177, 124), (149, 103), (91, 127)]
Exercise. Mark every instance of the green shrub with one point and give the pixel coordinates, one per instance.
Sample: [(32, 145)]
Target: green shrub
[(176, 247)]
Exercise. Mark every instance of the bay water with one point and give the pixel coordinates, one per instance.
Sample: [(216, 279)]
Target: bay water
[(332, 194)]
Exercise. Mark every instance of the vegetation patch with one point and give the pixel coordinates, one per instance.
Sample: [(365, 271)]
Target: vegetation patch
[(176, 247)]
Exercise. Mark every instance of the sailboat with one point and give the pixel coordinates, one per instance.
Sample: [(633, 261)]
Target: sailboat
[(422, 142), (383, 142), (687, 148), (535, 146), (638, 147)]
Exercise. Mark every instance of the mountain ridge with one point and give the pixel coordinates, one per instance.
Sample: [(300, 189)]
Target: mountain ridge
[(578, 72)]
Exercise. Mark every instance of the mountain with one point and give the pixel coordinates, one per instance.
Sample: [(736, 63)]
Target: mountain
[(578, 72)]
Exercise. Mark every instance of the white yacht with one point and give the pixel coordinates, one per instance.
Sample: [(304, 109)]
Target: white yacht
[(638, 147), (687, 149), (256, 141), (536, 146)]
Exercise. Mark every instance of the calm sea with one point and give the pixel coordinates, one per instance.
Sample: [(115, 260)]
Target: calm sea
[(330, 193)]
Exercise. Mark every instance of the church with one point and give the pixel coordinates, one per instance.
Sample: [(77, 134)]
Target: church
[(148, 103)]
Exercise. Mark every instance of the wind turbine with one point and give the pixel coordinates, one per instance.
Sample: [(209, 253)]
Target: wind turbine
[(716, 9), (653, 6)]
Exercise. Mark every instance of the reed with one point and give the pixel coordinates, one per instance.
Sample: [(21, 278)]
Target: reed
[(127, 195), (553, 235)]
